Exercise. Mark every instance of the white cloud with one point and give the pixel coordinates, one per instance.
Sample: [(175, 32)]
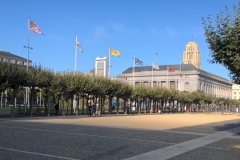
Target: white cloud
[(99, 32), (118, 26), (170, 31)]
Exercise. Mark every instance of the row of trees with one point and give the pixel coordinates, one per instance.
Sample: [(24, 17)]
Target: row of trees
[(66, 86)]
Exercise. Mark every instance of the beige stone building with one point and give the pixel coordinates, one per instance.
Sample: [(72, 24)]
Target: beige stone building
[(192, 55), (236, 91), (184, 77)]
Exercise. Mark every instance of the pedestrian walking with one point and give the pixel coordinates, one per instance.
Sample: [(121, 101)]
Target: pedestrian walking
[(128, 109), (89, 110), (113, 107), (56, 109), (133, 110), (94, 109)]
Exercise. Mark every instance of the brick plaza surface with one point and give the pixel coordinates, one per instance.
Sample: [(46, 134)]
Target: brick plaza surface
[(167, 136)]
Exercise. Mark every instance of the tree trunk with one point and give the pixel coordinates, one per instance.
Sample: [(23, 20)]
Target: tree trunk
[(72, 98), (48, 97), (77, 108), (109, 105), (83, 105), (118, 104), (13, 106), (31, 102), (63, 104)]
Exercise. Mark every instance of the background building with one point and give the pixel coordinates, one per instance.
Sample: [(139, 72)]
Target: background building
[(14, 59), (192, 55), (92, 71), (236, 91), (184, 77), (102, 66)]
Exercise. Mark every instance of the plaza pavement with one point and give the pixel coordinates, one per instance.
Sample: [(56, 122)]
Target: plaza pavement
[(150, 136)]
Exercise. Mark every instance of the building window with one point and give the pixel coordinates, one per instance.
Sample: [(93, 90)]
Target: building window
[(12, 61), (187, 87), (172, 85), (234, 93)]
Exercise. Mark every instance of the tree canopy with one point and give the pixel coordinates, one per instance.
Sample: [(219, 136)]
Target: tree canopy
[(222, 35)]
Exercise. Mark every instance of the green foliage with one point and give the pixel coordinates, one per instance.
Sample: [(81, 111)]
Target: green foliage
[(224, 41)]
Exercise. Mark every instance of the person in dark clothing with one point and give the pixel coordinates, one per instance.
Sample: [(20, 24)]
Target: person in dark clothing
[(89, 110), (128, 109), (57, 109), (94, 108), (113, 107)]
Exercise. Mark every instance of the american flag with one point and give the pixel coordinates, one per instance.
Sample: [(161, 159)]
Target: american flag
[(78, 45), (138, 62), (34, 27)]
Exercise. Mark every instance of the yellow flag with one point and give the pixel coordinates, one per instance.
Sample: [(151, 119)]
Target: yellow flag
[(114, 52)]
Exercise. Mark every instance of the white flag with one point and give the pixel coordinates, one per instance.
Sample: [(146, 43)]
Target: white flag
[(155, 65)]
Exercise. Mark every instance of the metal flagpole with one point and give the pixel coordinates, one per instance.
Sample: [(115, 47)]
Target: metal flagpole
[(75, 69), (152, 72), (180, 74), (133, 69), (109, 64), (28, 47), (167, 77)]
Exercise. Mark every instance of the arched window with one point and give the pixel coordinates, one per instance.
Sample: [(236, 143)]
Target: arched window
[(187, 86)]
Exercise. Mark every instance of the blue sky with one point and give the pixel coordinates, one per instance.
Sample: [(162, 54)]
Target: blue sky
[(140, 27)]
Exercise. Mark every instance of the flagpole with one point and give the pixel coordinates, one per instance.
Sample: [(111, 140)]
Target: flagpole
[(28, 37), (133, 69), (167, 77), (152, 72), (75, 68), (109, 64), (180, 73)]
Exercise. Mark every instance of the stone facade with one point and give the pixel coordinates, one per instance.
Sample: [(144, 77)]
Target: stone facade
[(186, 77), (192, 55), (101, 66), (14, 59), (236, 91)]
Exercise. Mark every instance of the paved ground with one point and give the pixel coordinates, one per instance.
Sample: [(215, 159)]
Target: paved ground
[(169, 136)]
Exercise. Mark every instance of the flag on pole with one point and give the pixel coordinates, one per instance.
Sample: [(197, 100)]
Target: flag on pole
[(155, 66), (138, 62), (114, 52), (180, 75), (170, 69), (34, 27), (78, 45)]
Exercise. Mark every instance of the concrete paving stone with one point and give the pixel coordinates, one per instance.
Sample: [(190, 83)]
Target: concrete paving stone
[(11, 155), (114, 137), (146, 135), (78, 147), (204, 153), (227, 143), (210, 128)]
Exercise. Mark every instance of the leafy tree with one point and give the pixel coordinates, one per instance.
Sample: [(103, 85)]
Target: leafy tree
[(45, 81), (16, 80), (223, 37)]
